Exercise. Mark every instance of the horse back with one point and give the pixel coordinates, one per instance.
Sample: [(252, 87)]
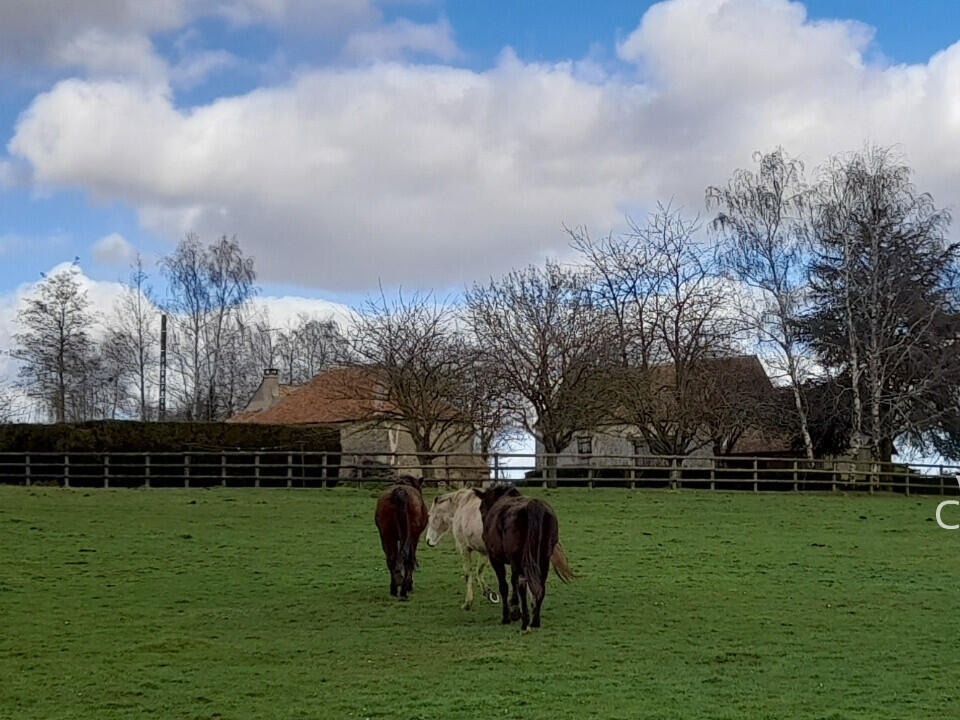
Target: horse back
[(405, 500), (509, 522)]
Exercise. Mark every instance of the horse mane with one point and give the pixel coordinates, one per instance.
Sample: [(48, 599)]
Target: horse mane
[(493, 494), (410, 480)]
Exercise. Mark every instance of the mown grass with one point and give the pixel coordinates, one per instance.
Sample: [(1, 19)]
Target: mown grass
[(274, 604)]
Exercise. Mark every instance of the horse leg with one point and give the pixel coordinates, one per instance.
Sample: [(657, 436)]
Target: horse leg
[(514, 594), (390, 549), (485, 589), (501, 573), (407, 562), (524, 609), (467, 563), (544, 574)]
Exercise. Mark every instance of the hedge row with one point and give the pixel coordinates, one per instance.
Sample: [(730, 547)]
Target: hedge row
[(113, 436)]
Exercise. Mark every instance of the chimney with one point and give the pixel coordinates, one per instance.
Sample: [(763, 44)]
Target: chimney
[(271, 384)]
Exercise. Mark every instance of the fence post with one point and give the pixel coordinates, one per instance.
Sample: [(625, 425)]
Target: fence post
[(66, 471), (106, 471), (906, 485), (713, 474), (633, 475), (146, 471), (940, 473), (223, 469), (256, 469), (796, 486), (674, 481), (186, 470), (289, 470), (833, 476), (496, 467), (323, 470), (27, 469), (590, 477), (755, 475)]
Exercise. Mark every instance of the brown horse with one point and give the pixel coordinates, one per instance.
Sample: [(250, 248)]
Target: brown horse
[(522, 532), (400, 517)]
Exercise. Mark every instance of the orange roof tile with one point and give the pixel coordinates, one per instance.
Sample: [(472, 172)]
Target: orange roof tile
[(337, 395)]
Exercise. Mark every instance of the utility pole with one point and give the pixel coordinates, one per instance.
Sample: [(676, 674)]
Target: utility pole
[(162, 403)]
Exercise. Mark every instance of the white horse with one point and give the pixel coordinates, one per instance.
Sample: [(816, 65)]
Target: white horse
[(460, 512)]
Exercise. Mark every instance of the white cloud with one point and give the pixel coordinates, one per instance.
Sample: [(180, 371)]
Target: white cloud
[(402, 37), (195, 67), (103, 295), (284, 310), (104, 55), (112, 38), (113, 249), (430, 175)]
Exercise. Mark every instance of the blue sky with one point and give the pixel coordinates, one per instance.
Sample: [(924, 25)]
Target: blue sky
[(430, 205)]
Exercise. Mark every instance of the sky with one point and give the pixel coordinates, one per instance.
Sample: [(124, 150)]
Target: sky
[(350, 144)]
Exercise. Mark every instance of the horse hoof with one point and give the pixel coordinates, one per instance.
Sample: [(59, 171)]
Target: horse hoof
[(525, 631), (505, 621)]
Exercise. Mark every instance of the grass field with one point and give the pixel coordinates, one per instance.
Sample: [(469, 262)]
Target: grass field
[(274, 604)]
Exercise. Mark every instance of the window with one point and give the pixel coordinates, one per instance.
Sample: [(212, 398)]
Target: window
[(584, 445)]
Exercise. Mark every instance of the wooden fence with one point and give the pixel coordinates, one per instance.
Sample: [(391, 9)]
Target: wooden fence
[(273, 468)]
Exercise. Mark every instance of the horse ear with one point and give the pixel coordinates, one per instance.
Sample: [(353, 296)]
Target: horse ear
[(480, 493)]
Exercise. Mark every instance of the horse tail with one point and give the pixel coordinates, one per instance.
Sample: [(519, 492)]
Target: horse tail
[(560, 566), (402, 506), (533, 552)]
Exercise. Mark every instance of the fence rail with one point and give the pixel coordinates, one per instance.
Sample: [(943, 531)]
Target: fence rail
[(272, 468)]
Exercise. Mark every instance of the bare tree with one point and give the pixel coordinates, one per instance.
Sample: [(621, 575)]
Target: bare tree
[(885, 293), (54, 344), (134, 325), (760, 220), (548, 342), (8, 409), (417, 365), (209, 289), (661, 287), (489, 405)]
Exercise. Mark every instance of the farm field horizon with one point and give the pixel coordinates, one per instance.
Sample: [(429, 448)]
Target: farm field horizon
[(245, 603)]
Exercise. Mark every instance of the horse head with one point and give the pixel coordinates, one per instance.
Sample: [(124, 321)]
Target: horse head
[(440, 518)]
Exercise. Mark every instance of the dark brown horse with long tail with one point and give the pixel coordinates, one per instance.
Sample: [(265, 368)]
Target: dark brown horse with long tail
[(524, 533), (401, 517)]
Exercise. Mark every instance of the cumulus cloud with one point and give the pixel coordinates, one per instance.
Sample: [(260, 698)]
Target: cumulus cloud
[(431, 175), (402, 37), (283, 311), (113, 38), (113, 249)]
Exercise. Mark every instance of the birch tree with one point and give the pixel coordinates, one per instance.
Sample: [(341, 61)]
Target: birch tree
[(760, 215), (884, 286), (54, 343)]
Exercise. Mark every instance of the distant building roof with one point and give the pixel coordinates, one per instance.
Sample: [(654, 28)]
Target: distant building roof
[(337, 395)]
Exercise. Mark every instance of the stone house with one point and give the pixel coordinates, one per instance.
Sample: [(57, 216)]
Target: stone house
[(337, 397), (740, 374)]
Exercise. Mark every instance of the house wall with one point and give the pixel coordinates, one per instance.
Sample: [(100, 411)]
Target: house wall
[(616, 440), (459, 463)]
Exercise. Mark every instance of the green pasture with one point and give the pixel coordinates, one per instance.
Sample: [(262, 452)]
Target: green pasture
[(274, 604)]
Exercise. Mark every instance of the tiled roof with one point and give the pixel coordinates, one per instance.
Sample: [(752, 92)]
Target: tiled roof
[(334, 396)]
